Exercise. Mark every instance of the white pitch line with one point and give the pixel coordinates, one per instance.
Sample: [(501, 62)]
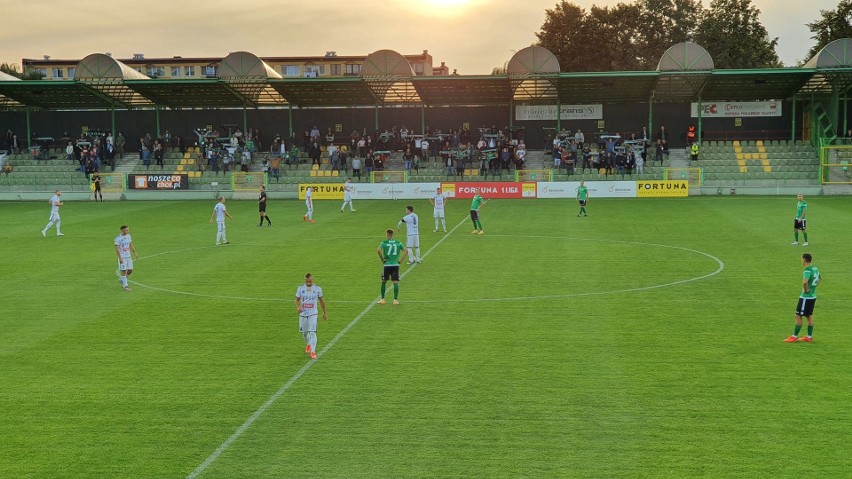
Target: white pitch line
[(269, 402)]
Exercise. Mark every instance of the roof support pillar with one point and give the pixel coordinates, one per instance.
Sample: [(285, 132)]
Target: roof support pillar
[(112, 121), (793, 126), (700, 107), (377, 117), (423, 119), (290, 120), (157, 113), (245, 123), (845, 110), (29, 132), (558, 115), (511, 116), (650, 117)]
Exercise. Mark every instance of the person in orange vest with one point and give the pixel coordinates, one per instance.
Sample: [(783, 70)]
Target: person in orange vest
[(690, 135)]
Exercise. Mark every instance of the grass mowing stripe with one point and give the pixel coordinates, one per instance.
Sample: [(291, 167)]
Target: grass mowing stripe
[(269, 402)]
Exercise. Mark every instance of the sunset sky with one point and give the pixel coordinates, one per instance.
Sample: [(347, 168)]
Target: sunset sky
[(472, 36)]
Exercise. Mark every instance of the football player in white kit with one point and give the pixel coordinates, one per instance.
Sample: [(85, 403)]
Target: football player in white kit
[(123, 248), (220, 213), (309, 204), (438, 202), (307, 297), (348, 190), (412, 238), (55, 203)]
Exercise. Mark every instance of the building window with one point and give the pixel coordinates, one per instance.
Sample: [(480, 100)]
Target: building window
[(353, 69), (189, 71), (71, 73), (139, 69), (175, 72), (210, 71), (336, 70), (315, 70), (156, 72), (57, 73), (418, 68), (290, 70)]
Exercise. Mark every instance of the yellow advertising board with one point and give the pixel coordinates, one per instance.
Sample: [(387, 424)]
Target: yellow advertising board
[(322, 191), (662, 189)]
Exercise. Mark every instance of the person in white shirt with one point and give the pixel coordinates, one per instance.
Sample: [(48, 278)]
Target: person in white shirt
[(123, 248), (424, 149), (348, 191), (69, 152), (55, 203), (219, 212), (412, 234), (307, 297), (309, 204), (438, 202)]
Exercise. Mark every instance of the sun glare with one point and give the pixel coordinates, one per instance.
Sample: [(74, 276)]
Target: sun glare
[(446, 3)]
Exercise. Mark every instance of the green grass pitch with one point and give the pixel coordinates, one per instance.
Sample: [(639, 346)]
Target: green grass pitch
[(551, 346)]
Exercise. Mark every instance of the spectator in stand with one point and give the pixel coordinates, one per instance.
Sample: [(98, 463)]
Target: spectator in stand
[(658, 156), (275, 167), (144, 152), (521, 157), (408, 158), (505, 158), (459, 166), (158, 153), (424, 149), (693, 152), (369, 163), (557, 156), (608, 163), (120, 140), (329, 137), (379, 161), (587, 160), (356, 167), (294, 156), (630, 162), (362, 147), (181, 145), (315, 134), (449, 166), (663, 134), (640, 164), (213, 159), (314, 152), (7, 141), (199, 161), (579, 139), (306, 141), (483, 165), (69, 152)]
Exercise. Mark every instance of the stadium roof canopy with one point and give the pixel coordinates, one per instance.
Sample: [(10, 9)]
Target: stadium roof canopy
[(685, 73)]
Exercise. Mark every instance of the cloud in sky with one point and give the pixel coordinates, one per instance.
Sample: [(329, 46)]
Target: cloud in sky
[(472, 36)]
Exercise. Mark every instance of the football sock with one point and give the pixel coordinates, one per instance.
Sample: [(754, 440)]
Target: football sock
[(124, 281), (810, 331), (395, 290), (796, 233), (261, 219), (58, 224), (312, 338), (307, 338), (410, 256), (805, 234), (267, 219), (443, 223), (797, 329), (384, 288), (417, 250), (436, 223)]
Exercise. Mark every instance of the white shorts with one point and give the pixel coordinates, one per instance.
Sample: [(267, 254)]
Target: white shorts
[(347, 197), (412, 241), (439, 213), (221, 226), (54, 217), (308, 324), (125, 264)]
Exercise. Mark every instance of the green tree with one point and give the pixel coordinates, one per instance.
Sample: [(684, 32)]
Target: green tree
[(733, 35), (564, 33), (665, 23), (10, 69), (615, 33), (834, 25)]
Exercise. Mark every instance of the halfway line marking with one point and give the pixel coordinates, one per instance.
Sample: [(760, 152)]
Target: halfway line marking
[(269, 402)]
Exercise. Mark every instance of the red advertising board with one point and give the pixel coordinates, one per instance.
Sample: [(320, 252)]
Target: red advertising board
[(490, 190)]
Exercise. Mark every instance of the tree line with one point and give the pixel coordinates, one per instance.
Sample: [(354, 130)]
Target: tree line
[(633, 36)]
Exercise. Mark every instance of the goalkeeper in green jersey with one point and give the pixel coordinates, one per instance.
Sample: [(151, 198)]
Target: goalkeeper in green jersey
[(391, 252), (475, 205)]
